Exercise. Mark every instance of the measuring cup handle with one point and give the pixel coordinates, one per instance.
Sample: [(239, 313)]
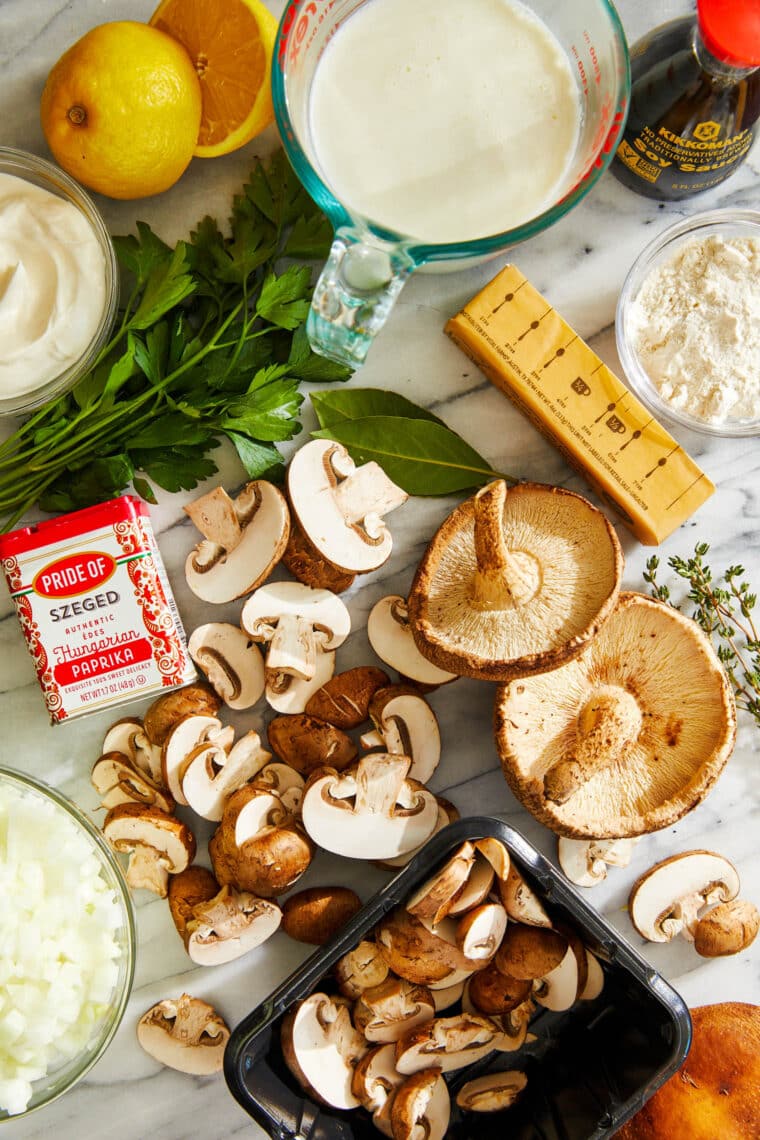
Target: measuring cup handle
[(358, 287)]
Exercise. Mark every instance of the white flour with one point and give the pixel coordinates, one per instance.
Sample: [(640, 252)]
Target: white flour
[(695, 326)]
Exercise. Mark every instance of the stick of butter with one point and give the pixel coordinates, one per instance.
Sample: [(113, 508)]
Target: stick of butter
[(526, 349)]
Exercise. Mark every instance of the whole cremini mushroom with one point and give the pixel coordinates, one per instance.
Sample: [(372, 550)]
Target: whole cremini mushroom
[(515, 582), (727, 929)]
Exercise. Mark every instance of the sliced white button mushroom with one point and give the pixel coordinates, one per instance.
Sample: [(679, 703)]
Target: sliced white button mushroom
[(668, 898), (185, 1034), (375, 1078), (585, 861), (210, 775), (361, 969), (521, 903), (340, 507), (492, 1092), (447, 1043), (229, 925), (480, 931), (118, 780), (421, 1108), (297, 623), (188, 734), (434, 898), (231, 661), (158, 844), (371, 811), (405, 725), (391, 638), (321, 1047), (288, 694), (385, 1012), (244, 540)]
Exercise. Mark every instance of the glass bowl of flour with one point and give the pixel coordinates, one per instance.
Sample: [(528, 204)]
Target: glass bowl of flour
[(688, 323)]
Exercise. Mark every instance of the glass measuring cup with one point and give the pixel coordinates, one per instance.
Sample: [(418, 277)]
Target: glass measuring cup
[(368, 263)]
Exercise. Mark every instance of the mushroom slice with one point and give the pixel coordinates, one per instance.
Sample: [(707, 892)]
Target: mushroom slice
[(391, 638), (512, 1023), (186, 889), (446, 1043), (305, 563), (158, 844), (168, 709), (211, 775), (405, 725), (447, 814), (297, 624), (492, 1092), (594, 978), (447, 996), (385, 1012), (475, 889), (129, 738), (244, 539), (515, 582), (185, 1034), (521, 903), (371, 811), (183, 738), (340, 506), (727, 929), (229, 925), (344, 701), (413, 952), (667, 899), (491, 992), (497, 855), (432, 900), (421, 1108), (258, 846), (480, 931), (361, 969), (687, 727), (558, 989), (528, 952), (285, 782), (231, 661), (118, 780), (321, 1047), (288, 694), (306, 743), (585, 861), (317, 914), (375, 1078)]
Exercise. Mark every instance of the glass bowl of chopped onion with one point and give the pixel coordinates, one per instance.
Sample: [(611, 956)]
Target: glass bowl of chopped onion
[(67, 944), (688, 324)]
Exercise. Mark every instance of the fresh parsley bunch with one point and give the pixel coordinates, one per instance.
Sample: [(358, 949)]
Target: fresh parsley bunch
[(211, 342)]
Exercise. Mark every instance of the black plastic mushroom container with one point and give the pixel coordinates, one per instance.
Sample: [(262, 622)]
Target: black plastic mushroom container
[(589, 1069)]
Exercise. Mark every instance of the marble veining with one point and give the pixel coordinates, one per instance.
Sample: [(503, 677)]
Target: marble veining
[(580, 264)]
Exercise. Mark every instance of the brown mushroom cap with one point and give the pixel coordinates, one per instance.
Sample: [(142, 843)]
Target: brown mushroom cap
[(515, 582), (716, 1092), (662, 662)]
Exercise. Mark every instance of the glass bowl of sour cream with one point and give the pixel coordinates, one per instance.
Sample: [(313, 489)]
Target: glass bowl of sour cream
[(58, 282), (688, 323), (67, 944)]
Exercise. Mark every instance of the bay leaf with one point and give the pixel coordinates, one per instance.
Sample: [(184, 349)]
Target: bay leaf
[(361, 403)]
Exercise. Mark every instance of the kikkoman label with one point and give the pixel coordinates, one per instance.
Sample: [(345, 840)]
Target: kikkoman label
[(96, 608)]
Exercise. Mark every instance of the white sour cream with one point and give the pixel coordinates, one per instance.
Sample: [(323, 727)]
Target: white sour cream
[(52, 285)]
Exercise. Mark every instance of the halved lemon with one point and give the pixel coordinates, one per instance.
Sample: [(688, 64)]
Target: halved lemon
[(230, 43)]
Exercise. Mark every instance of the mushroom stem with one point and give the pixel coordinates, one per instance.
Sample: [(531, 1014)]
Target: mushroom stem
[(607, 728), (367, 492), (379, 780), (293, 648), (504, 578)]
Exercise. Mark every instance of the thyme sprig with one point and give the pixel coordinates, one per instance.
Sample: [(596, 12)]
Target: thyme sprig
[(723, 607)]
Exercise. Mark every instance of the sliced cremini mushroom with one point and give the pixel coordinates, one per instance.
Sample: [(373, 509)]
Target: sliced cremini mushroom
[(344, 701), (512, 1024), (187, 888), (385, 1012), (521, 902), (318, 913), (306, 743), (515, 582), (285, 782), (375, 1078), (288, 694), (231, 661), (492, 992), (480, 931), (433, 900), (305, 563), (244, 539), (668, 898), (492, 1092), (558, 989), (421, 1108), (210, 775), (158, 844), (259, 845), (192, 700), (296, 623), (447, 996), (405, 725), (361, 969), (340, 507), (727, 929), (475, 889), (189, 733), (371, 811), (185, 1034), (628, 737), (528, 952), (321, 1048), (447, 1043), (118, 780), (447, 814), (130, 738), (594, 978), (414, 952), (391, 638), (218, 924), (585, 861)]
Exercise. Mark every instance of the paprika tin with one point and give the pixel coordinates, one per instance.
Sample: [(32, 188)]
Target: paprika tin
[(96, 608)]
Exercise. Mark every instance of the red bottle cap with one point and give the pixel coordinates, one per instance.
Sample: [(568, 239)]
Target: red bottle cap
[(731, 30)]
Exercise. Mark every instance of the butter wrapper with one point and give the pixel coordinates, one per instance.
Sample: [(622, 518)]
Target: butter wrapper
[(535, 358)]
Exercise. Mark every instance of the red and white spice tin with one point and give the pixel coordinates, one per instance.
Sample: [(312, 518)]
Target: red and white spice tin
[(96, 608)]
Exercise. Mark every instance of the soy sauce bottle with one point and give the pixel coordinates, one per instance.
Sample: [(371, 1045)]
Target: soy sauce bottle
[(695, 99)]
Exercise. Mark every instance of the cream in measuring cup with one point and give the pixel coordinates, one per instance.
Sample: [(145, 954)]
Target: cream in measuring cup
[(446, 122)]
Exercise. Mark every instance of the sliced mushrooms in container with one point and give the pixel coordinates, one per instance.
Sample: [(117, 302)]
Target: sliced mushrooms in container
[(515, 582), (626, 738)]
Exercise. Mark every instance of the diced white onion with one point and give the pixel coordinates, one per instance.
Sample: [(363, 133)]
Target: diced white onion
[(59, 955)]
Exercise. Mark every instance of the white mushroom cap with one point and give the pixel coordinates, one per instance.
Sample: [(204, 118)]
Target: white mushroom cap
[(211, 775), (368, 812), (492, 1092), (391, 638), (385, 1012), (186, 735), (666, 899), (421, 1108), (229, 925), (585, 861), (231, 661), (375, 1078), (340, 506), (243, 540), (405, 725), (321, 1046), (446, 1043), (288, 694), (185, 1034)]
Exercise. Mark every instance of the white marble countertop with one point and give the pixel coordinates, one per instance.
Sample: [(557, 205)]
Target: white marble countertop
[(580, 265)]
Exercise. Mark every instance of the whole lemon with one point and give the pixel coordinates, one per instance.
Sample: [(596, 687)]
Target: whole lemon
[(121, 110)]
